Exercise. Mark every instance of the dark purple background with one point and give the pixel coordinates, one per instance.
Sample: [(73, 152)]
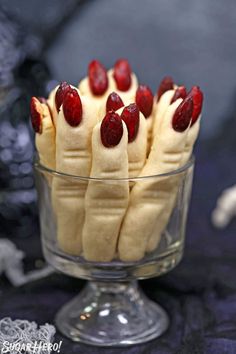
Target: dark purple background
[(193, 41)]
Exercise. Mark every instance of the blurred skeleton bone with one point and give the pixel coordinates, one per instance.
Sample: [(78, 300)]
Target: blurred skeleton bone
[(225, 208), (11, 264)]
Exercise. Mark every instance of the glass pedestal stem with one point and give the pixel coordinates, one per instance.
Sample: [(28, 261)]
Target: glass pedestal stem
[(112, 314)]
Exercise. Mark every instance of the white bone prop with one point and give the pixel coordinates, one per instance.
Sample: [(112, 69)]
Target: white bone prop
[(105, 203), (148, 198), (137, 149), (159, 110), (126, 96), (45, 140), (73, 156), (225, 208), (52, 105), (164, 217), (11, 263)]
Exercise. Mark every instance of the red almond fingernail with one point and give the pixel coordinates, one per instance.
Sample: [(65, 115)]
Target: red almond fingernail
[(36, 114), (111, 129), (180, 92), (60, 94), (122, 74), (130, 116), (98, 80), (183, 115), (166, 84), (72, 108), (144, 100), (114, 102), (197, 96)]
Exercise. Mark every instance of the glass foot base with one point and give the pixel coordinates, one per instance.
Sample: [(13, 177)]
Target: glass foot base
[(106, 314)]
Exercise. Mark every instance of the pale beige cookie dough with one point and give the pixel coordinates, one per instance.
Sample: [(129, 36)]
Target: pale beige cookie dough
[(159, 110), (96, 100), (127, 96), (73, 156), (165, 215), (137, 149), (102, 109), (150, 121), (45, 140), (105, 202), (52, 105), (148, 197)]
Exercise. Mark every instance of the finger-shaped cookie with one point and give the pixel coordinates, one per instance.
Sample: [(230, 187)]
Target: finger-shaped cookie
[(144, 100), (148, 197), (52, 105), (137, 138), (45, 132), (96, 85), (106, 201), (113, 103), (192, 135), (123, 81), (167, 93), (76, 119)]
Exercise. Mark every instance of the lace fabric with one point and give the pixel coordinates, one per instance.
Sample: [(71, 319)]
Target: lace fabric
[(25, 333)]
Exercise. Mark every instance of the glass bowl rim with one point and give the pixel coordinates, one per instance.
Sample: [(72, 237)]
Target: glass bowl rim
[(39, 167)]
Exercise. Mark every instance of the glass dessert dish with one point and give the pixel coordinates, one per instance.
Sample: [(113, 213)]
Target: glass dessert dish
[(111, 310)]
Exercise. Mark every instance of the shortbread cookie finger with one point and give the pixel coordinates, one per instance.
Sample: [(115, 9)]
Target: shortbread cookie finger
[(96, 85), (137, 138), (137, 132), (144, 100), (148, 197), (163, 219), (55, 99), (166, 84), (167, 93), (193, 132), (106, 201), (52, 105), (123, 81), (45, 132), (76, 120), (113, 103), (160, 110)]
